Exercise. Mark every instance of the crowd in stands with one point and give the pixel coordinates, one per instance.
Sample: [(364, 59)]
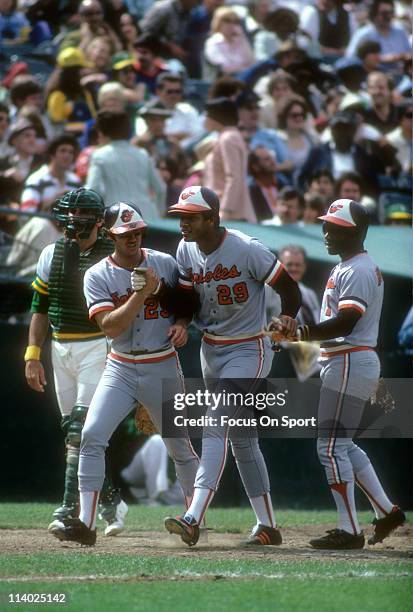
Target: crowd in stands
[(280, 107)]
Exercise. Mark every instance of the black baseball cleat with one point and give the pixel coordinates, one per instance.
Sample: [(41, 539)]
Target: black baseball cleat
[(264, 536), (178, 525), (384, 526), (338, 539), (73, 530)]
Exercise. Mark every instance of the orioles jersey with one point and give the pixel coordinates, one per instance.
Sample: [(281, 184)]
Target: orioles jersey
[(354, 283), (107, 286), (230, 282)]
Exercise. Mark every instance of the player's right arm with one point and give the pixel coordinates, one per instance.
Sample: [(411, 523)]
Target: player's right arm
[(113, 322), (34, 370), (39, 323)]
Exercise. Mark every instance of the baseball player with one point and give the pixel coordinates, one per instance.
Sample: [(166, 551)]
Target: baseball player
[(228, 270), (125, 303), (350, 315), (79, 347)]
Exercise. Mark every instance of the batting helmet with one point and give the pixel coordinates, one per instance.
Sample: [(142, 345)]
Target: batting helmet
[(196, 200), (121, 218), (79, 210), (348, 214)]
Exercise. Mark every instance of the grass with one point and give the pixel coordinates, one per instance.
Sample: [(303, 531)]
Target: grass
[(194, 582)]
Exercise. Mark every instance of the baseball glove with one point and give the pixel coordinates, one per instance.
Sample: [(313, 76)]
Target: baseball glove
[(143, 421)]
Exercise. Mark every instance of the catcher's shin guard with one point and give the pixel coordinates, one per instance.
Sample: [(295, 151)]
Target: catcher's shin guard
[(72, 426)]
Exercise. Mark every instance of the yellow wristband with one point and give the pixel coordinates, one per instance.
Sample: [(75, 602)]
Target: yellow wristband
[(32, 352)]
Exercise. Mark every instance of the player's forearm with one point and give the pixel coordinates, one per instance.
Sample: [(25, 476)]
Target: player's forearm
[(289, 293), (340, 326), (39, 326), (116, 322)]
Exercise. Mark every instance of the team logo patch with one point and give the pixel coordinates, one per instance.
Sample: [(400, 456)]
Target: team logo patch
[(334, 208), (185, 196), (126, 216), (331, 284)]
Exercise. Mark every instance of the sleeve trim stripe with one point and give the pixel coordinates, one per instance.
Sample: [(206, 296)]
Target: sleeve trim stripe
[(94, 311), (273, 277), (39, 289), (29, 204), (353, 298), (105, 302), (352, 302), (185, 284), (353, 306), (40, 282), (270, 270)]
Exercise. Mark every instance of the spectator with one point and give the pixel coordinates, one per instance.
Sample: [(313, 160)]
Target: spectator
[(369, 52), (257, 12), (171, 174), (297, 139), (92, 24), (255, 136), (322, 185), (129, 33), (227, 50), (124, 72), (52, 180), (28, 244), (5, 148), (279, 25), (395, 46), (351, 73), (382, 114), (401, 138), (185, 122), (349, 186), (148, 66), (341, 154), (111, 97), (168, 20), (289, 207), (314, 207), (121, 172), (398, 214), (226, 165), (262, 183), (198, 30), (68, 102), (281, 85), (328, 23), (294, 259), (155, 141), (98, 54), (14, 27), (23, 161), (226, 86), (25, 90)]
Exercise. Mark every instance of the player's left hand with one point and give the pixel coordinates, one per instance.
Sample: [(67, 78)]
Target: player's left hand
[(178, 334)]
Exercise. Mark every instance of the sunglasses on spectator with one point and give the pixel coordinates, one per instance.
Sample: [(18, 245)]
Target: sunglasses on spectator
[(296, 115), (176, 92)]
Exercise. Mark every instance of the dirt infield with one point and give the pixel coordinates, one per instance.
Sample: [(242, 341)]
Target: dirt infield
[(214, 546)]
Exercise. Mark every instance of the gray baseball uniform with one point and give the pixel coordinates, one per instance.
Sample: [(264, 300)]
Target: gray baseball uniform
[(230, 282), (139, 360), (351, 368)]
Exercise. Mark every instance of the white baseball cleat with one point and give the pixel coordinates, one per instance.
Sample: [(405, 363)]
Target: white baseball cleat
[(117, 525)]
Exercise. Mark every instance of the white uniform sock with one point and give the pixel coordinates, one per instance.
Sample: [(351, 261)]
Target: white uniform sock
[(369, 483), (343, 494), (88, 508), (264, 512), (199, 505)]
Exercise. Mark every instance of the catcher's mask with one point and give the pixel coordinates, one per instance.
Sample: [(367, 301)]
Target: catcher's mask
[(121, 218), (78, 211)]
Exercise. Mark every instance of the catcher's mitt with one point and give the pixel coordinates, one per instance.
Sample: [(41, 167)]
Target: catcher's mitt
[(144, 422)]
